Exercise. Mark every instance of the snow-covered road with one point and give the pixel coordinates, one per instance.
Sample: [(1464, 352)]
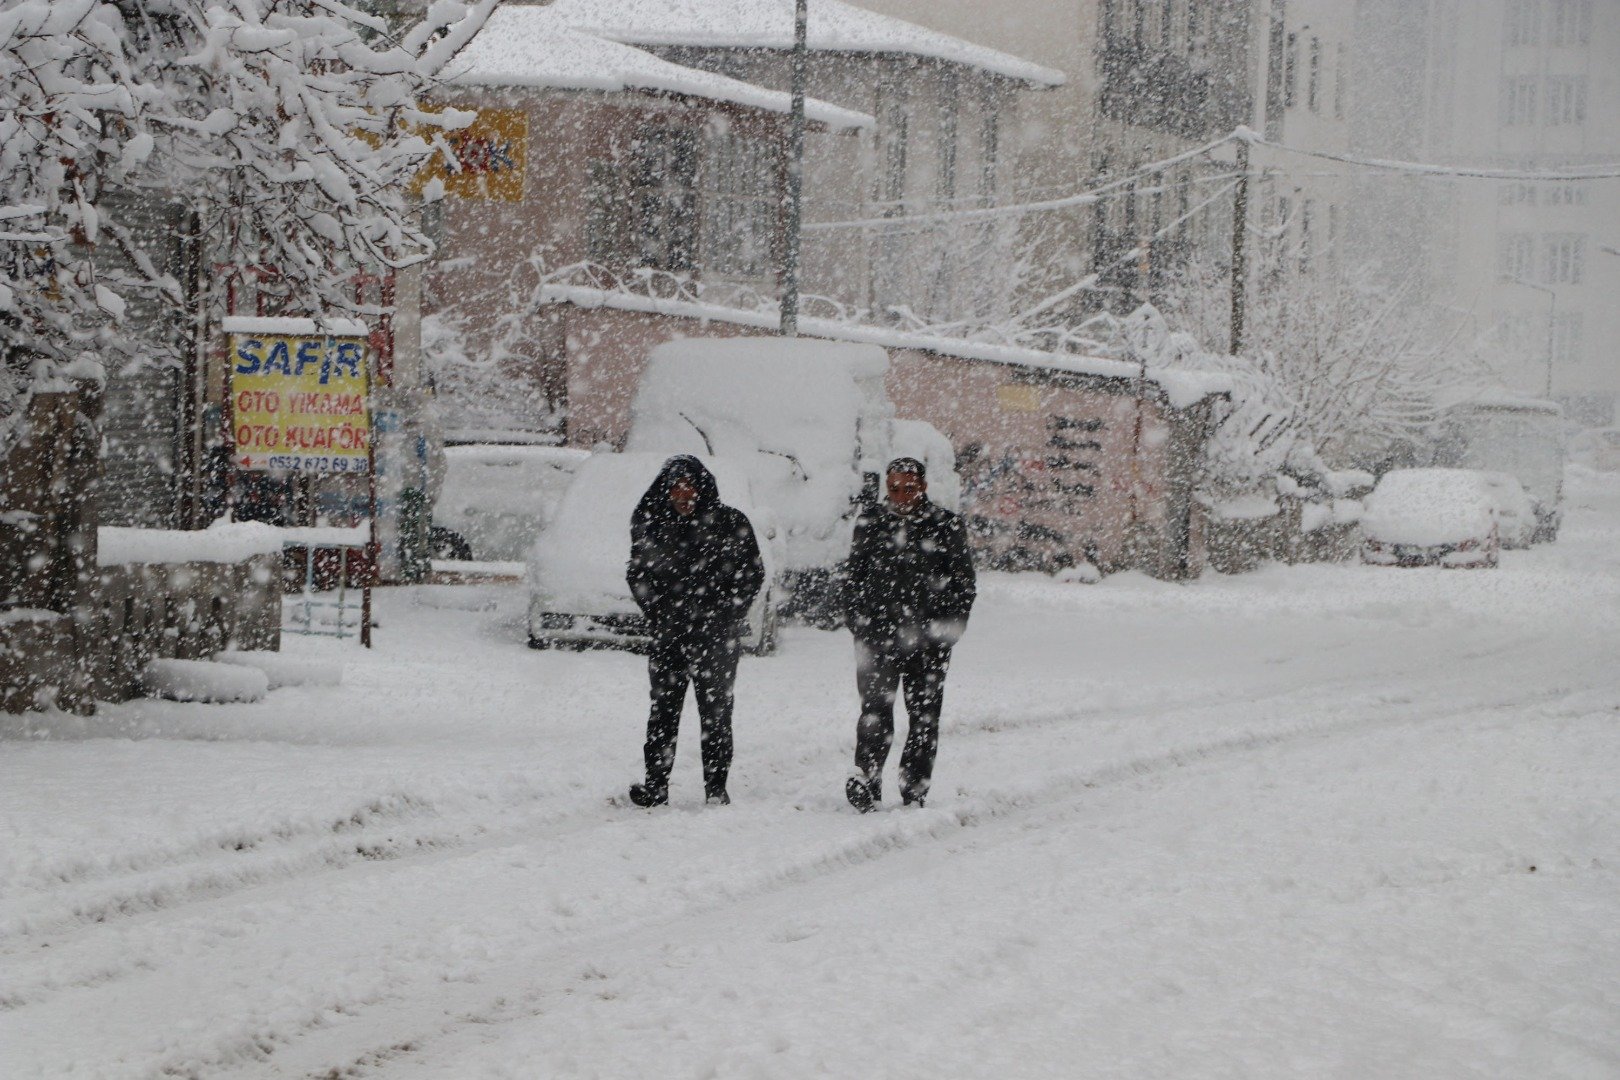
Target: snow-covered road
[(1312, 821)]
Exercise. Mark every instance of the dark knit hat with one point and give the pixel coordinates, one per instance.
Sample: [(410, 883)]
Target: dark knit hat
[(908, 465)]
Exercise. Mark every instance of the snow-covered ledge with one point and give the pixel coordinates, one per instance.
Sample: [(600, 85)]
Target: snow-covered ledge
[(221, 542)]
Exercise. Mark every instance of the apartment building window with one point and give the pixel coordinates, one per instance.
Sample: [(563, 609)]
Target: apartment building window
[(989, 148), (1565, 258), (1167, 24), (1567, 331), (1291, 71), (739, 205), (1566, 195), (1523, 23), (1566, 100), (1571, 22), (892, 143), (1515, 254), (949, 116), (1192, 26), (1518, 105), (1313, 92), (1517, 195), (643, 207), (1307, 217), (1341, 66)]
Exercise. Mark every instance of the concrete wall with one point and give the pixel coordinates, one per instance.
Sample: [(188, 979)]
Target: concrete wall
[(72, 632)]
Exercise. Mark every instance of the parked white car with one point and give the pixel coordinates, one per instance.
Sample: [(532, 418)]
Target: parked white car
[(1515, 510), (577, 591), (1432, 517), (496, 497)]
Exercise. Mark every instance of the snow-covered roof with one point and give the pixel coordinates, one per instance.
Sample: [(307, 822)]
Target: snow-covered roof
[(1181, 389), (833, 27), (535, 47)]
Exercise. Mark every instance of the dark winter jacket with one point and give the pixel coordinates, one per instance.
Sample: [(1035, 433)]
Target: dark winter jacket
[(694, 574), (910, 577)]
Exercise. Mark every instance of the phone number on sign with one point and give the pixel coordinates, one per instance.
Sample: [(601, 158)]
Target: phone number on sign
[(316, 464)]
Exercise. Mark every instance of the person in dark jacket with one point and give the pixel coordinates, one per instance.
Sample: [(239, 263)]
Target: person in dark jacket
[(694, 571), (909, 589)]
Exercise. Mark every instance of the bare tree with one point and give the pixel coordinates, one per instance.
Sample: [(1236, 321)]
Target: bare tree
[(1342, 356)]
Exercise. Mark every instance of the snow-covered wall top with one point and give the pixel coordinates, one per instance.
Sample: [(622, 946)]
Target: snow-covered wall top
[(1181, 389), (222, 542), (532, 47), (833, 27)]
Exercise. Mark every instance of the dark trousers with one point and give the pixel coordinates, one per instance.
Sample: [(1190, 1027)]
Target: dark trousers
[(709, 663), (879, 674)]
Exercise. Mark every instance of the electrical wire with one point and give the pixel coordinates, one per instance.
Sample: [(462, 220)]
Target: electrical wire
[(1417, 168), (1082, 198)]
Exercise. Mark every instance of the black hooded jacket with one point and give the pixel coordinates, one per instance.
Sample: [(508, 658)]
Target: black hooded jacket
[(910, 578), (697, 573)]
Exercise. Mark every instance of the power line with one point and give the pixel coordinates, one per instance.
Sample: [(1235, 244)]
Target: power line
[(1418, 168), (1083, 198), (1093, 195)]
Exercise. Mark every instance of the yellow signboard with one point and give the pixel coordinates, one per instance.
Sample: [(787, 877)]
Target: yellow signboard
[(490, 158), (1019, 397), (299, 401)]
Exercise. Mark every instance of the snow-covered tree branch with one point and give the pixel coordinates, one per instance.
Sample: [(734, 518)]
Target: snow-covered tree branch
[(293, 128)]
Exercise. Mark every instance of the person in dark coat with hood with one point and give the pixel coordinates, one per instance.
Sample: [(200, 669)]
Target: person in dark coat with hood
[(694, 570), (909, 589)]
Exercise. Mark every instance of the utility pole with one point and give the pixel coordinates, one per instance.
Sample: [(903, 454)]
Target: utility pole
[(795, 172), (1240, 262)]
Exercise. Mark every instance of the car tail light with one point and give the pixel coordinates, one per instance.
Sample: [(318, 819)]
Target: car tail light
[(1467, 545)]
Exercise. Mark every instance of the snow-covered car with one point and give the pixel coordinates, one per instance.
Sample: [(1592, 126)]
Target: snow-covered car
[(496, 498), (1523, 437), (1431, 517), (1515, 511), (1597, 449), (577, 591), (812, 423)]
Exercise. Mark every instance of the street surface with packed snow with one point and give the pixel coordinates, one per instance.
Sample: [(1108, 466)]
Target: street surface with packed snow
[(1312, 821)]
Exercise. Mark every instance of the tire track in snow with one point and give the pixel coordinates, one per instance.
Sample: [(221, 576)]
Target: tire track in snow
[(57, 898), (396, 1030), (374, 833)]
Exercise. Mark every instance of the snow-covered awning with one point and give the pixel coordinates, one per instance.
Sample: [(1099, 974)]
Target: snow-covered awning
[(768, 24), (523, 46)]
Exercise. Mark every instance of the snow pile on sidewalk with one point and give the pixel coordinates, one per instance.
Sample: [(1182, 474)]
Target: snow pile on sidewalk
[(202, 680)]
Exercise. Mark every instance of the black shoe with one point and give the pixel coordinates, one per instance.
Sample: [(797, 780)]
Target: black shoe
[(912, 800), (717, 798), (648, 795), (859, 795)]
